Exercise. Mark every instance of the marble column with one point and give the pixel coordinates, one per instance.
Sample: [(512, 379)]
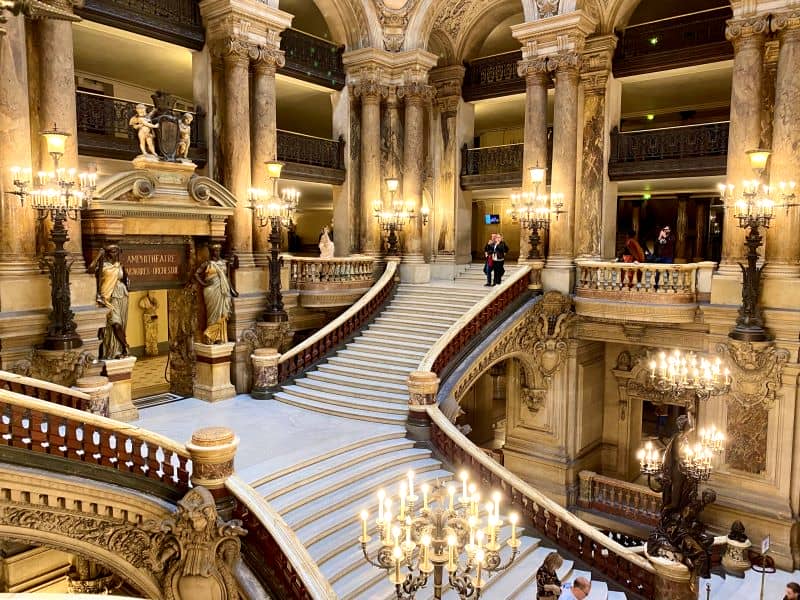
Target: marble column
[(747, 35), (565, 156), (265, 133), (17, 222), (682, 227), (236, 146), (534, 153), (783, 239), (58, 108), (414, 94), (370, 91), (701, 229)]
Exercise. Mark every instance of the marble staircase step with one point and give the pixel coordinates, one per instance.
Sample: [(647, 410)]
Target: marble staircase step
[(445, 309), (423, 302), (415, 317), (352, 398), (342, 460), (417, 334), (336, 482), (363, 369), (413, 322), (428, 329), (356, 384), (616, 595), (367, 355), (380, 346), (340, 411), (410, 342), (506, 585), (466, 292)]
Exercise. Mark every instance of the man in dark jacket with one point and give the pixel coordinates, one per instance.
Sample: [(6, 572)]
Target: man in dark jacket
[(499, 249)]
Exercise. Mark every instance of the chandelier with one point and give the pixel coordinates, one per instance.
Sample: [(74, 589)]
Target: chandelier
[(396, 215), (534, 210), (678, 373), (443, 533)]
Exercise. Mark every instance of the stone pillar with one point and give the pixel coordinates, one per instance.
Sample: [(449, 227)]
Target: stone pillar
[(265, 372), (682, 228), (58, 107), (422, 389), (594, 174), (413, 268), (537, 78), (369, 89), (17, 223), (783, 241), (235, 145), (673, 581), (636, 216), (99, 390), (700, 228), (559, 273), (213, 450), (213, 379), (120, 374), (747, 35), (265, 134)]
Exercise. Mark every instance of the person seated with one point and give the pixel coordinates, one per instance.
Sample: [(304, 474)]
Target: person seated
[(548, 585)]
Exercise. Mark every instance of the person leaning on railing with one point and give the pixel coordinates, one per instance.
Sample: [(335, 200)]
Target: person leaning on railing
[(632, 252)]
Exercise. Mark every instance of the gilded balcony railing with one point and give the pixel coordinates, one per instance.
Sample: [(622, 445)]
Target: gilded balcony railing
[(616, 497), (493, 76), (691, 150), (312, 59), (684, 40)]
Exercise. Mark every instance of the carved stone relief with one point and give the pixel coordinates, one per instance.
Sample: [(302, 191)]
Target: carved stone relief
[(59, 367)]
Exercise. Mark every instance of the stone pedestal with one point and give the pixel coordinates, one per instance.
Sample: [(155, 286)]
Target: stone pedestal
[(213, 372), (558, 276), (120, 374), (415, 272), (99, 390), (212, 450), (673, 580), (265, 372), (444, 267), (736, 560), (422, 389)]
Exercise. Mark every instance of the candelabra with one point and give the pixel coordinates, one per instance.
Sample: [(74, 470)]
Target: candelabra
[(534, 210), (61, 195), (754, 209), (431, 539), (276, 209), (393, 219), (677, 374)]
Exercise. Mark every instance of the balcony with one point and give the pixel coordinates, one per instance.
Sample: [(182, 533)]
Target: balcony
[(325, 283), (312, 59), (310, 158), (492, 77), (694, 39), (693, 150), (492, 167), (644, 292)]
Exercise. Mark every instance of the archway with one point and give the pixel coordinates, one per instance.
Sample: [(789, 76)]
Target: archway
[(348, 22)]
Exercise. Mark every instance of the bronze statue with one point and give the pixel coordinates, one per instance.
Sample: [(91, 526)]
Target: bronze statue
[(214, 275), (112, 292)]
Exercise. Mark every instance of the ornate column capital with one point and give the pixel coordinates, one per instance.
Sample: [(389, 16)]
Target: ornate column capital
[(566, 63), (235, 49), (369, 86), (447, 82), (534, 69), (747, 30), (415, 92), (596, 63), (787, 24), (268, 60)]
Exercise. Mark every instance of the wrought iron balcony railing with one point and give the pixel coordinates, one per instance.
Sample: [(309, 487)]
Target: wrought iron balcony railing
[(310, 158), (692, 39), (497, 166), (692, 150), (493, 76), (312, 59)]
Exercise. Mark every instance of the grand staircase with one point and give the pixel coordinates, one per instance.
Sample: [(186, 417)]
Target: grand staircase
[(321, 500)]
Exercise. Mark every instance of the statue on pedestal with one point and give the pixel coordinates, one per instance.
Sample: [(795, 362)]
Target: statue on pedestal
[(144, 126), (214, 277), (149, 306), (112, 292), (185, 132), (326, 246)]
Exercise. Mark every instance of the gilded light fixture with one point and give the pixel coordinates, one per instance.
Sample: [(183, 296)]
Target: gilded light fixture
[(393, 218), (534, 210)]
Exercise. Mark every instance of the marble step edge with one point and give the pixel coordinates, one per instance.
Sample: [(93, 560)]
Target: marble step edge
[(367, 356), (414, 317), (431, 329), (410, 342), (331, 410), (341, 368), (356, 399), (359, 380), (382, 346), (402, 334)]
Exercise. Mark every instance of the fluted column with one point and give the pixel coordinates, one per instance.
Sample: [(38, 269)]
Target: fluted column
[(565, 156), (415, 94), (747, 35), (369, 90), (17, 223), (235, 54), (783, 239), (58, 107), (265, 136), (537, 78)]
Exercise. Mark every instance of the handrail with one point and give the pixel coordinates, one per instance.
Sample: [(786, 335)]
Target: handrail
[(48, 428), (443, 349), (673, 127), (553, 520), (42, 384), (609, 495), (300, 574), (675, 17), (335, 259), (327, 338)]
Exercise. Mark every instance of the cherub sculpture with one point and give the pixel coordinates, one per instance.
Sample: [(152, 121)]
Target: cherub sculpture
[(143, 125), (185, 129)]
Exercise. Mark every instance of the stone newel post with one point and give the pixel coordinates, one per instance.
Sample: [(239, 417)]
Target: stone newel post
[(212, 450), (265, 372), (213, 380), (99, 390), (422, 389), (120, 374)]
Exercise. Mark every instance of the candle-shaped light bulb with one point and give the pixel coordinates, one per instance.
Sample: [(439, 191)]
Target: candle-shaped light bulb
[(479, 537), (426, 547), (364, 517), (387, 540), (381, 498), (451, 490), (402, 500), (396, 531), (513, 518), (410, 476), (425, 489), (451, 553), (496, 497), (464, 478), (397, 554)]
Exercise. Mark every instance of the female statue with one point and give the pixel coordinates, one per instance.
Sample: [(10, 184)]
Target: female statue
[(214, 276), (325, 244), (149, 306), (112, 292)]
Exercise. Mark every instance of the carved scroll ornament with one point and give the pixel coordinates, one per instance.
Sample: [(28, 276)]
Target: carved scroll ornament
[(755, 373)]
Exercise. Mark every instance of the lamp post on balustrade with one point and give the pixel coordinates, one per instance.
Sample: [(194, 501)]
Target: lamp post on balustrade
[(61, 195), (396, 216), (534, 210), (274, 208)]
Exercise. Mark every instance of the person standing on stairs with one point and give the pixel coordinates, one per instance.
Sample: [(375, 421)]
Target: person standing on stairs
[(548, 585), (579, 591), (499, 251), (487, 260)]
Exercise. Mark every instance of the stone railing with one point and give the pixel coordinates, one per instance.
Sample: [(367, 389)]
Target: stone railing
[(681, 41), (42, 427), (620, 564), (669, 151), (462, 333), (330, 282), (291, 566), (637, 503), (312, 59), (493, 76), (104, 129), (341, 329), (44, 390)]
